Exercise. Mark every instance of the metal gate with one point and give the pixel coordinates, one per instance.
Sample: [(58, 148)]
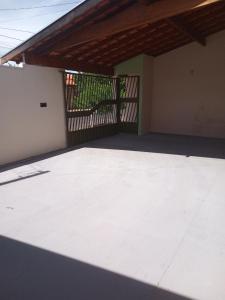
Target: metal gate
[(98, 106)]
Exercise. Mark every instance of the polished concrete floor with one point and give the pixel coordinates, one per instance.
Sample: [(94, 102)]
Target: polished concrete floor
[(122, 218)]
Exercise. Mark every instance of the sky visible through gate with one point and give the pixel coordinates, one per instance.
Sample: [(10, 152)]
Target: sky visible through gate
[(21, 19)]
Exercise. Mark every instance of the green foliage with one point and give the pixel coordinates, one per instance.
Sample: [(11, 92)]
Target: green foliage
[(91, 90)]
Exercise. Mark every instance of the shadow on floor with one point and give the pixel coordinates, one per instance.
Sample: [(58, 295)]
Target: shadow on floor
[(33, 159), (163, 143), (155, 143), (24, 177), (28, 272)]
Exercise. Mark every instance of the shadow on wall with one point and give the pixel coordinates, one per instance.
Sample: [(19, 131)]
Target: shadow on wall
[(28, 272)]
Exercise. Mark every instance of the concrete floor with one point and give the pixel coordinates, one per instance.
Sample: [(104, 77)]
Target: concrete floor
[(119, 218)]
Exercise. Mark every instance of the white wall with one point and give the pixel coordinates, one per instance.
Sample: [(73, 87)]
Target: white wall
[(26, 129), (183, 91), (189, 90)]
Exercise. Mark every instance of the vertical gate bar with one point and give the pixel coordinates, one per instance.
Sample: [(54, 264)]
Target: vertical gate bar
[(78, 105), (129, 90), (111, 97), (132, 96), (87, 99), (132, 104), (138, 96), (85, 105), (79, 119), (73, 105), (118, 102), (80, 124), (93, 115), (112, 106), (136, 103), (64, 75), (98, 128), (105, 107), (127, 81), (101, 130), (115, 105), (92, 87), (91, 92), (107, 96), (72, 120)]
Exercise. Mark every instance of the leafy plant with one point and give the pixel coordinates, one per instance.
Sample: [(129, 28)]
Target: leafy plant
[(91, 90)]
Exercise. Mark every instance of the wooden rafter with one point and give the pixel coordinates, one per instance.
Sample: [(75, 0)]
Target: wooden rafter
[(131, 17), (97, 15), (75, 49), (106, 35), (147, 2), (67, 64), (179, 25), (147, 46), (125, 44), (134, 16)]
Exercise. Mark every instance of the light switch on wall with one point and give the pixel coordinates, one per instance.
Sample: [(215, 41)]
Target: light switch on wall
[(43, 104)]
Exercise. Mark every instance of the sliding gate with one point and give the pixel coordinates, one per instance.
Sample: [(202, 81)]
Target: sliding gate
[(98, 106)]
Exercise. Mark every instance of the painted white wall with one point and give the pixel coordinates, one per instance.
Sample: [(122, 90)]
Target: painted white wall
[(189, 90), (183, 91), (26, 129)]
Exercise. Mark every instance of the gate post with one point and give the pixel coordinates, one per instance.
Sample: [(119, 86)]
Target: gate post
[(118, 102), (64, 77)]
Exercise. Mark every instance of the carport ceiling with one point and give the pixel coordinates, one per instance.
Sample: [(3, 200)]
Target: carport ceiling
[(99, 34)]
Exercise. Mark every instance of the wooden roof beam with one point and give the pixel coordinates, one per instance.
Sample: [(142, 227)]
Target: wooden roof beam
[(132, 17), (70, 64), (151, 50), (127, 44), (109, 47), (75, 49), (147, 2), (92, 19), (179, 25)]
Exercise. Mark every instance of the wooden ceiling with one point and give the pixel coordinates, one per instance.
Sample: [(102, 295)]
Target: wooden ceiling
[(98, 35)]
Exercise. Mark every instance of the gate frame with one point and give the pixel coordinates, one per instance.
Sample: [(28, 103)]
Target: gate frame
[(117, 127)]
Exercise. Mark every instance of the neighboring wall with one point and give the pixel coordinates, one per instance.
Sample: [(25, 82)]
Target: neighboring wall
[(189, 90), (142, 66), (26, 129)]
